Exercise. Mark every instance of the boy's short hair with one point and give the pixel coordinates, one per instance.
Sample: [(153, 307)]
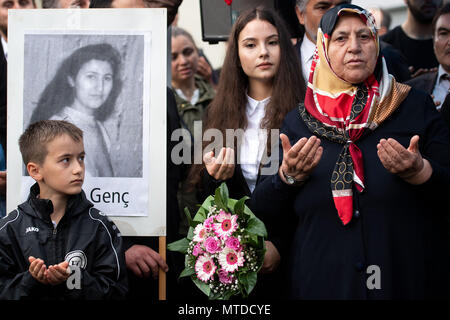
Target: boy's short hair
[(33, 142)]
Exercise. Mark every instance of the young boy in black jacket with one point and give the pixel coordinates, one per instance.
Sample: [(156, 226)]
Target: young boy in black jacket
[(56, 245)]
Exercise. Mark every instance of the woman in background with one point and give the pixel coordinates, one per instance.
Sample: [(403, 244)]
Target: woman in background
[(193, 95)]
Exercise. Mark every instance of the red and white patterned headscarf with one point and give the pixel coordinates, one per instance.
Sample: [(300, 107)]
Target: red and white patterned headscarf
[(343, 112)]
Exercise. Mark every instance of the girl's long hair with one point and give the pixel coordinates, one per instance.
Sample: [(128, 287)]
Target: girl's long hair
[(228, 109), (59, 93)]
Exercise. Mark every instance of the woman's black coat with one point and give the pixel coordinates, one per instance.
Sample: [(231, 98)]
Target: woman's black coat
[(400, 228)]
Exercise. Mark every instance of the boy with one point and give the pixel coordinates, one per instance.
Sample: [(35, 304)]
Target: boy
[(57, 231)]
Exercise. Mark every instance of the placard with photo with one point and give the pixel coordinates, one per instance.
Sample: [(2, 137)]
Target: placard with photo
[(104, 71)]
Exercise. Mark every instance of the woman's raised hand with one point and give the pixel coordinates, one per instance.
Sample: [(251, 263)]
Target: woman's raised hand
[(408, 164), (222, 167), (300, 159)]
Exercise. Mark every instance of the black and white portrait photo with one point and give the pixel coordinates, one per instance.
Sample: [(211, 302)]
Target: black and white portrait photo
[(94, 81)]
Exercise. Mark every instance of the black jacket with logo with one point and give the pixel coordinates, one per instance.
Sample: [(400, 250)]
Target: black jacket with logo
[(84, 237)]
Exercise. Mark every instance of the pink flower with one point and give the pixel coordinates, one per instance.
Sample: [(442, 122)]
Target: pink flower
[(231, 260), (222, 215), (199, 233), (209, 223), (225, 277), (197, 250), (233, 243), (212, 245), (226, 225), (205, 267)]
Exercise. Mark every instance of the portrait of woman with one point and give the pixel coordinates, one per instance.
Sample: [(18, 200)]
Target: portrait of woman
[(84, 91), (365, 162)]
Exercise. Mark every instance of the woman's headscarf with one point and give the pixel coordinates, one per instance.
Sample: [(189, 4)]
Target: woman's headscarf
[(343, 112)]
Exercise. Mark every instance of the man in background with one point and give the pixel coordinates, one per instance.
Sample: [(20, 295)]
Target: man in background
[(382, 19), (414, 37), (437, 83), (5, 5), (309, 13)]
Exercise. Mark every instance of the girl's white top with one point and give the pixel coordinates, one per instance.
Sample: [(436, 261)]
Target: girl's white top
[(254, 141)]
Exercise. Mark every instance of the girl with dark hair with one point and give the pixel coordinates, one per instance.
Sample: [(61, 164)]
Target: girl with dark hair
[(84, 91), (260, 75), (260, 83)]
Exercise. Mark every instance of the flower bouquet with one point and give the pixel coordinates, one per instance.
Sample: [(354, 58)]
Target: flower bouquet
[(224, 247)]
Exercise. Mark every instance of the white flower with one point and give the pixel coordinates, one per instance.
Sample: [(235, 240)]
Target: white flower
[(199, 233), (205, 268), (226, 225), (231, 260)]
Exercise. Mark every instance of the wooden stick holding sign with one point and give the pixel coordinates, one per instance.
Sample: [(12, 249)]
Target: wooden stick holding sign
[(162, 274)]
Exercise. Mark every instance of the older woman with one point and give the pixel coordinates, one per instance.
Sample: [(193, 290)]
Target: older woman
[(365, 162)]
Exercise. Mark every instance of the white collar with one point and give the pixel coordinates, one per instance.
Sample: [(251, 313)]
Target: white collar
[(5, 48), (441, 72), (253, 104), (195, 96), (307, 49)]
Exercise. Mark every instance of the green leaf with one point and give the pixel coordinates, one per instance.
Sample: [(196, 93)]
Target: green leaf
[(224, 192), (190, 234), (215, 296), (202, 286), (260, 253), (208, 202), (248, 281), (248, 212), (201, 215), (187, 272), (180, 246), (202, 212), (239, 206), (230, 205), (219, 201), (257, 227), (227, 295), (189, 218), (189, 261), (251, 240)]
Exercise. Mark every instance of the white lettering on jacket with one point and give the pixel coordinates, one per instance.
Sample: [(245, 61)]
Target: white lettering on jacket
[(32, 229)]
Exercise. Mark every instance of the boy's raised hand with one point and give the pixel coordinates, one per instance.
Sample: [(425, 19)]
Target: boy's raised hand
[(57, 273), (53, 275), (38, 269)]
